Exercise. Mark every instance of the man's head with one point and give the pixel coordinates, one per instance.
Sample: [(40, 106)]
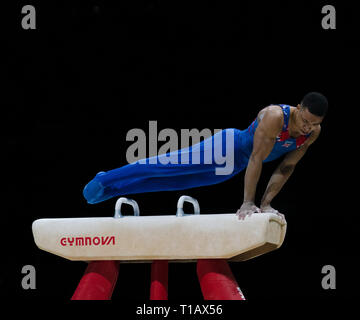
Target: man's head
[(316, 103), (311, 111)]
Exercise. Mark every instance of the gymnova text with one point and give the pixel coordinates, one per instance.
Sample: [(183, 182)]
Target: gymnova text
[(209, 151), (87, 241)]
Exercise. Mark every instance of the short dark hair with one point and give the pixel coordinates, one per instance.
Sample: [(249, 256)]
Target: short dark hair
[(316, 103)]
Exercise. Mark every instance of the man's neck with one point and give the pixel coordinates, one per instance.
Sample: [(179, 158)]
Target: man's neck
[(293, 131)]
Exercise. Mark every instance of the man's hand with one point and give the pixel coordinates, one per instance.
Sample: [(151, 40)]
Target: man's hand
[(269, 208), (247, 209)]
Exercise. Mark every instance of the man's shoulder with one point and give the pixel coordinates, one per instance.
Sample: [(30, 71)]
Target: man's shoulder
[(274, 111), (271, 118)]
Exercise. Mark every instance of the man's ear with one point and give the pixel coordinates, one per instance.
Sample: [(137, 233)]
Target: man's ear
[(298, 106)]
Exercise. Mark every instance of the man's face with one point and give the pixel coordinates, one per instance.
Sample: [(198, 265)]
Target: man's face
[(307, 121)]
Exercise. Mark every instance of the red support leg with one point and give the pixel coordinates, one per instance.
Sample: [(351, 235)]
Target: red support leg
[(159, 280), (217, 281), (98, 281)]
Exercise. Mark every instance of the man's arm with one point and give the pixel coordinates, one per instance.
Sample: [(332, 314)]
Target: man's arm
[(284, 171), (264, 140)]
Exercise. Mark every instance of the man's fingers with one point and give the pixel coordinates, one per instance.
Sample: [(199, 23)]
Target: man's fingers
[(281, 216), (242, 213)]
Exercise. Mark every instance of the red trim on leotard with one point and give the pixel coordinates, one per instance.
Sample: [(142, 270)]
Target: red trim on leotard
[(284, 135), (300, 141)]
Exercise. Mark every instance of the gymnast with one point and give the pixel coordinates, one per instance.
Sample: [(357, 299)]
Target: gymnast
[(277, 130)]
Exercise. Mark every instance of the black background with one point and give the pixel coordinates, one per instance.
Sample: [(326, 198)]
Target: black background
[(92, 71)]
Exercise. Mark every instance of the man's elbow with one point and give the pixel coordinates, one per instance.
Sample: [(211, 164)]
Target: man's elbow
[(286, 168), (256, 159)]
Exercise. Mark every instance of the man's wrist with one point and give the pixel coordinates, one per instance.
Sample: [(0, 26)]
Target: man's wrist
[(265, 204), (265, 201), (248, 201)]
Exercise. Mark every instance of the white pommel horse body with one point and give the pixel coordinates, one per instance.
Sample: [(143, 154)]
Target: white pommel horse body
[(208, 239)]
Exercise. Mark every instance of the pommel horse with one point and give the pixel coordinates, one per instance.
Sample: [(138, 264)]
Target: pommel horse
[(210, 240)]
